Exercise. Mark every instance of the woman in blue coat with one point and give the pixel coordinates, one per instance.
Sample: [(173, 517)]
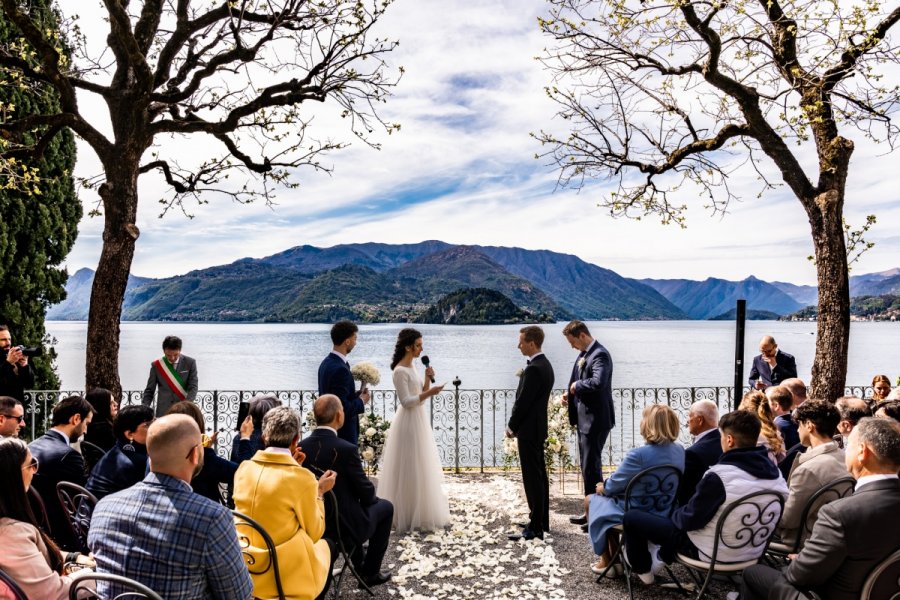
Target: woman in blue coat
[(659, 428)]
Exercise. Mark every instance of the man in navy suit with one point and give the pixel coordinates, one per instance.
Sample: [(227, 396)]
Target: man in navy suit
[(363, 516), (771, 366), (589, 397), (703, 424), (335, 378), (58, 461), (528, 424)]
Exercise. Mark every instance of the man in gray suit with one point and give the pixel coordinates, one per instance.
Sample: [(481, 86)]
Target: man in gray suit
[(852, 535), (174, 374)]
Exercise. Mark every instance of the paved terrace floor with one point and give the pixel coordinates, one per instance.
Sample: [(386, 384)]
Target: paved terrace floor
[(472, 558)]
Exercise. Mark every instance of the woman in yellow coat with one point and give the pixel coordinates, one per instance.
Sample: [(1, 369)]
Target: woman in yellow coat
[(283, 497)]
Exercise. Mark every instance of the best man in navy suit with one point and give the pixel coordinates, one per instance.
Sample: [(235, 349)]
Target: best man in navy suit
[(363, 516), (528, 424), (589, 397), (335, 378), (703, 424), (771, 366)]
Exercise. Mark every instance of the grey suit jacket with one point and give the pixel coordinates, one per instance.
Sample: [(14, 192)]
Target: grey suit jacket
[(851, 536), (187, 368), (811, 470)]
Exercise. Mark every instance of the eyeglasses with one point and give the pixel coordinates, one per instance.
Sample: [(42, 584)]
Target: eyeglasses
[(19, 419), (33, 465)]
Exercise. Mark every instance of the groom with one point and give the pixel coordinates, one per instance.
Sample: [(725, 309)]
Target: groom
[(528, 424), (335, 378)]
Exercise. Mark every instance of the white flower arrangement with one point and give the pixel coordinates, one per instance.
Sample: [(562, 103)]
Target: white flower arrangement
[(559, 436), (373, 431), (366, 373)]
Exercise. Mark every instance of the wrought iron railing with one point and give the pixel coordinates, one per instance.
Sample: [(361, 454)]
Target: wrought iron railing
[(469, 425)]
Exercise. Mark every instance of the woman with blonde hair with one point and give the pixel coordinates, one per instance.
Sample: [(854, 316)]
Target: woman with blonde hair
[(659, 428), (881, 388), (756, 402)]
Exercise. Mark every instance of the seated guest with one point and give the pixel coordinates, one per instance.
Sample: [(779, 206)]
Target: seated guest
[(781, 403), (274, 490), (60, 462), (889, 409), (105, 410), (881, 388), (797, 389), (853, 534), (259, 406), (29, 556), (362, 515), (12, 417), (744, 468), (215, 469), (851, 409), (126, 463), (659, 428), (162, 534), (703, 424), (757, 403), (821, 464)]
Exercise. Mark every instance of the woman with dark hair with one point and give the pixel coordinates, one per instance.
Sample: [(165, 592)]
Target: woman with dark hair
[(411, 475), (126, 463), (243, 448), (29, 556), (100, 433), (216, 470)]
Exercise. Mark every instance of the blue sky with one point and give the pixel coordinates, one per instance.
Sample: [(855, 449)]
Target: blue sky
[(462, 170)]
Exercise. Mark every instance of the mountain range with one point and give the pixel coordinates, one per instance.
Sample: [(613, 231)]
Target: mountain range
[(374, 282)]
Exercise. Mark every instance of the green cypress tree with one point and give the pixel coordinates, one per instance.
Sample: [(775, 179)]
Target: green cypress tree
[(38, 219)]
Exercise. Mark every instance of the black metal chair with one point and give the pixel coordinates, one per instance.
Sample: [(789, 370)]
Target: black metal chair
[(883, 583), (251, 552), (652, 490), (39, 508), (829, 492), (132, 588), (748, 524), (92, 454), (78, 505), (345, 554), (9, 588)]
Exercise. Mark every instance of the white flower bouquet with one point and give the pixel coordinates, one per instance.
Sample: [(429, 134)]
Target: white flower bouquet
[(373, 431), (559, 437), (366, 373)]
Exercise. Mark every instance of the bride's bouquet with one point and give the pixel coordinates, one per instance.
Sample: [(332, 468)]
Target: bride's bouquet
[(366, 373)]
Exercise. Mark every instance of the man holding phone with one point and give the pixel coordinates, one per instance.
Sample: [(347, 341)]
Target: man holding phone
[(16, 375), (771, 366)]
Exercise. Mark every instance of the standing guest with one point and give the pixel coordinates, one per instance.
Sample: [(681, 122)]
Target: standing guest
[(60, 462), (659, 428), (589, 398), (12, 417), (362, 516), (881, 388), (160, 533), (528, 424), (851, 409), (781, 401), (29, 556), (744, 469), (126, 463), (259, 406), (335, 378), (174, 376), (215, 470), (852, 535), (703, 424), (771, 366), (756, 402), (797, 389), (821, 464), (105, 410), (16, 375), (274, 490)]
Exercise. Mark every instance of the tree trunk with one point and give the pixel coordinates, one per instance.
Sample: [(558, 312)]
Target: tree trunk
[(119, 196)]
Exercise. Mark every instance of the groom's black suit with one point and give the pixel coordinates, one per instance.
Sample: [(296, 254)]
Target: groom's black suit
[(528, 423)]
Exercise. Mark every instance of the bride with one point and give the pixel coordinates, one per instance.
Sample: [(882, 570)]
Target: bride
[(411, 474)]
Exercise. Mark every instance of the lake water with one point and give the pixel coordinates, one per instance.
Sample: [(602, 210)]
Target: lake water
[(233, 356)]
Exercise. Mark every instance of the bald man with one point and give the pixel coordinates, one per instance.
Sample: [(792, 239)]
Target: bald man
[(771, 366), (162, 534), (703, 425)]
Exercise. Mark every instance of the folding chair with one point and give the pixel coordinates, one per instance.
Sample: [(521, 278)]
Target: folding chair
[(747, 524), (78, 506), (9, 588), (348, 563), (829, 492), (242, 520), (131, 588), (883, 583)]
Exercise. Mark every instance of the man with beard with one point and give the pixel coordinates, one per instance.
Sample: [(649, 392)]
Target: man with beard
[(162, 534), (335, 378), (16, 375), (58, 461)]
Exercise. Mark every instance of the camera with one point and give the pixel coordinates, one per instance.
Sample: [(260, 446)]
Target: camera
[(30, 352)]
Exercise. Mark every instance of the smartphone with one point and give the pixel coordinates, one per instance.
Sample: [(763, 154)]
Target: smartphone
[(243, 411)]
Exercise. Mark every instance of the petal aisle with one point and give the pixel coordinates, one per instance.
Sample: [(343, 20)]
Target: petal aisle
[(472, 558)]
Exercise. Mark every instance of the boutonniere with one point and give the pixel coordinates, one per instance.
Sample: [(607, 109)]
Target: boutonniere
[(581, 362), (519, 373)]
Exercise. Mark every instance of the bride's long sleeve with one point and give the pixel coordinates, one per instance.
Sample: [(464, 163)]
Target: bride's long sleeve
[(408, 389)]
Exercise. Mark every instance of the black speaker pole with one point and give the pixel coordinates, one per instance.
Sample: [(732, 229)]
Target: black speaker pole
[(740, 318)]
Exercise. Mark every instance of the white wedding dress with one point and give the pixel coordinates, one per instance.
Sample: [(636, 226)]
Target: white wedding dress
[(411, 475)]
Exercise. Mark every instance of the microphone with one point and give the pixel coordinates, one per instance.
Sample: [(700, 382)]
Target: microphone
[(427, 361)]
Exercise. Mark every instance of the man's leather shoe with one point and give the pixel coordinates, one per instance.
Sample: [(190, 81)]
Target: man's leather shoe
[(579, 520), (376, 579), (526, 534), (584, 528)]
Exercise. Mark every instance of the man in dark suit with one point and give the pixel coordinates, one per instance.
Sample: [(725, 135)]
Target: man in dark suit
[(589, 397), (58, 461), (363, 516), (335, 378), (703, 424), (175, 375), (528, 424), (771, 366), (16, 375), (851, 535)]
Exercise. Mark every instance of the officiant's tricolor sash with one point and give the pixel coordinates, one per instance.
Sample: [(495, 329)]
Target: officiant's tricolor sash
[(167, 371)]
